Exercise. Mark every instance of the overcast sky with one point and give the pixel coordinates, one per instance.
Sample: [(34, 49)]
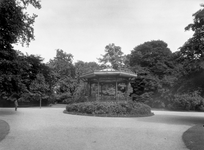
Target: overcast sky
[(84, 27)]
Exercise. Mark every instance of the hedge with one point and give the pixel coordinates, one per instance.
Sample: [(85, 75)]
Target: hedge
[(187, 102), (121, 108)]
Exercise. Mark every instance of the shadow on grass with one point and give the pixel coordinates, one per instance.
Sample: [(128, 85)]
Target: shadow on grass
[(4, 129), (174, 119), (194, 137)]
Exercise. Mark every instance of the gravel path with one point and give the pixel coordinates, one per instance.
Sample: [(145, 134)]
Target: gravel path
[(51, 129)]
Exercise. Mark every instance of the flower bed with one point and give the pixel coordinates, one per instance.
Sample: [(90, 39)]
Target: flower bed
[(110, 109)]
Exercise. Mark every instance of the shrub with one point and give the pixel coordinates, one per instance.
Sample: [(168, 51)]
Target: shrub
[(121, 108), (191, 101), (80, 99), (63, 98)]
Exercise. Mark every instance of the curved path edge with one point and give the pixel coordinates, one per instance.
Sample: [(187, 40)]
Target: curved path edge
[(4, 129)]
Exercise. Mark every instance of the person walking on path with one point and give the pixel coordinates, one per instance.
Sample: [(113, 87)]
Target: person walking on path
[(16, 104), (15, 98)]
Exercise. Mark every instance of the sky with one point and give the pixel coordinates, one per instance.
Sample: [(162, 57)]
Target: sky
[(84, 27)]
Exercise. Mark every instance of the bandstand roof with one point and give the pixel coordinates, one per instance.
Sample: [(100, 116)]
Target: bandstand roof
[(108, 75)]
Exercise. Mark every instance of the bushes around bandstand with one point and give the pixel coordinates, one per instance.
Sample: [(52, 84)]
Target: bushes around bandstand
[(111, 108)]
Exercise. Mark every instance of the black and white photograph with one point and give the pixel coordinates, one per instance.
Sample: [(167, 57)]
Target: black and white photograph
[(102, 75)]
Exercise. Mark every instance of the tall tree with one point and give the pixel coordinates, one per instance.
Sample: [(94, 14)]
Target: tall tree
[(85, 67), (114, 55), (151, 56), (16, 26), (152, 61), (30, 66), (191, 57), (193, 49), (64, 71), (62, 64)]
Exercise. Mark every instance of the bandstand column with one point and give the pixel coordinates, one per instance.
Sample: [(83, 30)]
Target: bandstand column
[(98, 90), (127, 86), (101, 91), (90, 89), (116, 89)]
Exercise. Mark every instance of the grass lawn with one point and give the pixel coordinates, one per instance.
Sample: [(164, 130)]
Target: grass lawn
[(194, 138), (4, 129)]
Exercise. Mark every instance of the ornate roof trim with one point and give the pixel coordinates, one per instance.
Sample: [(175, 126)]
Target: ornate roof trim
[(108, 72)]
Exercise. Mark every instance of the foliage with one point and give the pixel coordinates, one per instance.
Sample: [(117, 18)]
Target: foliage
[(18, 76), (31, 66), (113, 55), (193, 48), (146, 88), (16, 25), (62, 64), (190, 83), (64, 98), (191, 52), (157, 72), (110, 108), (81, 93), (39, 85), (191, 101), (153, 56), (85, 67), (63, 72), (191, 57), (144, 84), (28, 75)]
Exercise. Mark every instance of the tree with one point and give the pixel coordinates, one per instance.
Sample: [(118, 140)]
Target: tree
[(145, 88), (153, 63), (85, 67), (64, 71), (113, 55), (151, 56), (192, 57), (39, 88), (30, 67), (62, 64), (15, 26), (193, 48), (192, 51)]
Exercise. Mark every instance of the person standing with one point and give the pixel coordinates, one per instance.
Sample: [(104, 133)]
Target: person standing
[(16, 104)]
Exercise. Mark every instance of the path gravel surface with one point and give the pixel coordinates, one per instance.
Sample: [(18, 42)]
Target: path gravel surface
[(51, 129)]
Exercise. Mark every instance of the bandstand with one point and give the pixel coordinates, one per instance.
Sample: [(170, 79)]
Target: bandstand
[(107, 76)]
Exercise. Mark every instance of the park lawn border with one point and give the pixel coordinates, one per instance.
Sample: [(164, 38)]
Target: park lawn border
[(4, 129), (106, 115), (194, 137)]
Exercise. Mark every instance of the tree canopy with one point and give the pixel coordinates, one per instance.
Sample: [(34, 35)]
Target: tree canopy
[(15, 24), (152, 56), (193, 48), (113, 55)]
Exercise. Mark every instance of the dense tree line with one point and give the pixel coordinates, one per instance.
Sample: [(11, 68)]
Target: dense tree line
[(165, 79), (16, 26)]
